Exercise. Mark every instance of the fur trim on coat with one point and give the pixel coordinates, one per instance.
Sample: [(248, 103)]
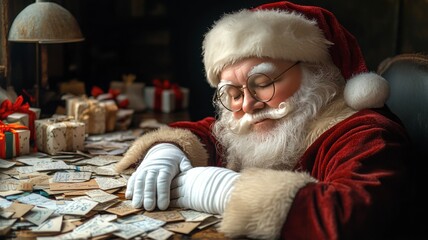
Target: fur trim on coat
[(184, 139)]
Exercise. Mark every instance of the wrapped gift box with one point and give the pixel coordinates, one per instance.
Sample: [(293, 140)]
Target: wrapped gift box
[(89, 111), (134, 93), (124, 119), (19, 112), (166, 100), (59, 134), (23, 118), (110, 115), (14, 140)]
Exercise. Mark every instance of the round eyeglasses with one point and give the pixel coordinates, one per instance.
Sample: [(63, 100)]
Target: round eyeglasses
[(261, 87)]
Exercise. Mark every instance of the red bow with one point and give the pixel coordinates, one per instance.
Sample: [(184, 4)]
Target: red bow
[(7, 108), (113, 94)]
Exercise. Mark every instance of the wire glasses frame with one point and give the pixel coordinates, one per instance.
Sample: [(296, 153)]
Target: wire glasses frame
[(260, 86)]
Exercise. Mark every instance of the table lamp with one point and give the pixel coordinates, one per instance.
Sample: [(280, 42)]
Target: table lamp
[(44, 22)]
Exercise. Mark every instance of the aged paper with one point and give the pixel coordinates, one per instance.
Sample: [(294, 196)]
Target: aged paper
[(106, 183), (80, 207), (101, 196), (149, 224), (61, 177), (166, 216), (19, 209), (91, 184), (182, 227), (51, 225), (194, 216), (160, 234), (38, 215), (123, 208), (6, 164), (127, 231)]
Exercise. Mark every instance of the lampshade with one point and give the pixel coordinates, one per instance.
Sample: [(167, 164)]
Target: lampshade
[(45, 22)]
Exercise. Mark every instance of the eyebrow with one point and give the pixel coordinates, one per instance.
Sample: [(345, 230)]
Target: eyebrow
[(264, 67), (224, 82)]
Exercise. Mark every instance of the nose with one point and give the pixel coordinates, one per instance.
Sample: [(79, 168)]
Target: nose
[(249, 103)]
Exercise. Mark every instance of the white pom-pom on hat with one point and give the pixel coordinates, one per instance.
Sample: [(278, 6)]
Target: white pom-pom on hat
[(366, 90)]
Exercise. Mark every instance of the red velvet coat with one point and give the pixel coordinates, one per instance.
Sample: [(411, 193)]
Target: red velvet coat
[(359, 171)]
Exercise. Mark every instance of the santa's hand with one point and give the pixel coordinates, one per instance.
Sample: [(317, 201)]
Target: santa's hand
[(204, 189), (150, 183)]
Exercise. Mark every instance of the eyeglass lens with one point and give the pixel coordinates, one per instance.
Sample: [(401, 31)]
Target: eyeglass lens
[(259, 85)]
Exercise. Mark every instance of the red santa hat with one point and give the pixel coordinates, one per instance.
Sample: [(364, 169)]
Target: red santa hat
[(288, 31)]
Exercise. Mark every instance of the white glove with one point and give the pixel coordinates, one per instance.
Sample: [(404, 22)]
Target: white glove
[(152, 179), (205, 189)]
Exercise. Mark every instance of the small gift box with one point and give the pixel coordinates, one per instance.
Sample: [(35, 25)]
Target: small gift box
[(166, 97), (19, 112), (134, 91), (14, 140), (110, 114), (124, 119), (59, 134), (89, 111), (121, 100), (23, 118)]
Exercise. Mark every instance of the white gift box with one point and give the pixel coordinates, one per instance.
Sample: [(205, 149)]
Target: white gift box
[(23, 118), (54, 135), (168, 99)]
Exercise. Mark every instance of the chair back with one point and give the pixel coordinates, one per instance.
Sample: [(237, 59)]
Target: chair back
[(407, 75)]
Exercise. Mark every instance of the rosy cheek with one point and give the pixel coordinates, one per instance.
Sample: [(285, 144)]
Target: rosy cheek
[(238, 114)]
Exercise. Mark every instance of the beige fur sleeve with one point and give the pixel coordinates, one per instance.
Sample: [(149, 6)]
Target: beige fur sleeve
[(257, 211), (183, 138)]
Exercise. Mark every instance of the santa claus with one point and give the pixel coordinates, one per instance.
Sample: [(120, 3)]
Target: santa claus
[(303, 146)]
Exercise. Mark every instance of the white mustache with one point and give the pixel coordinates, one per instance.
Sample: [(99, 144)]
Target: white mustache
[(243, 125)]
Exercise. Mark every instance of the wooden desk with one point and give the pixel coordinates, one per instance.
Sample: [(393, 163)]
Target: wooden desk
[(26, 233)]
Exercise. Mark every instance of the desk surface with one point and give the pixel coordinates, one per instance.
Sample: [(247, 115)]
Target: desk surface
[(29, 177)]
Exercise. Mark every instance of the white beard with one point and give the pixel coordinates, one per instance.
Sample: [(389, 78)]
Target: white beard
[(281, 147)]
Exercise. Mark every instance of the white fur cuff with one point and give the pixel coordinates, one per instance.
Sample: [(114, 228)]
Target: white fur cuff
[(260, 202)]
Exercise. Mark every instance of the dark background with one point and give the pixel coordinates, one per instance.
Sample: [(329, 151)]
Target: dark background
[(162, 39)]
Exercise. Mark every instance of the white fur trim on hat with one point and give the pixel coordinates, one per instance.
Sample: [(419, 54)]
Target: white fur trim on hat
[(366, 90), (263, 33)]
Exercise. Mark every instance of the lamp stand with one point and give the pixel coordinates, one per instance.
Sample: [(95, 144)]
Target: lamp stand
[(37, 84)]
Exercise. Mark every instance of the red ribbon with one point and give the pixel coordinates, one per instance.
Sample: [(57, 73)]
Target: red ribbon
[(160, 86), (113, 94), (7, 108), (11, 127), (178, 94)]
